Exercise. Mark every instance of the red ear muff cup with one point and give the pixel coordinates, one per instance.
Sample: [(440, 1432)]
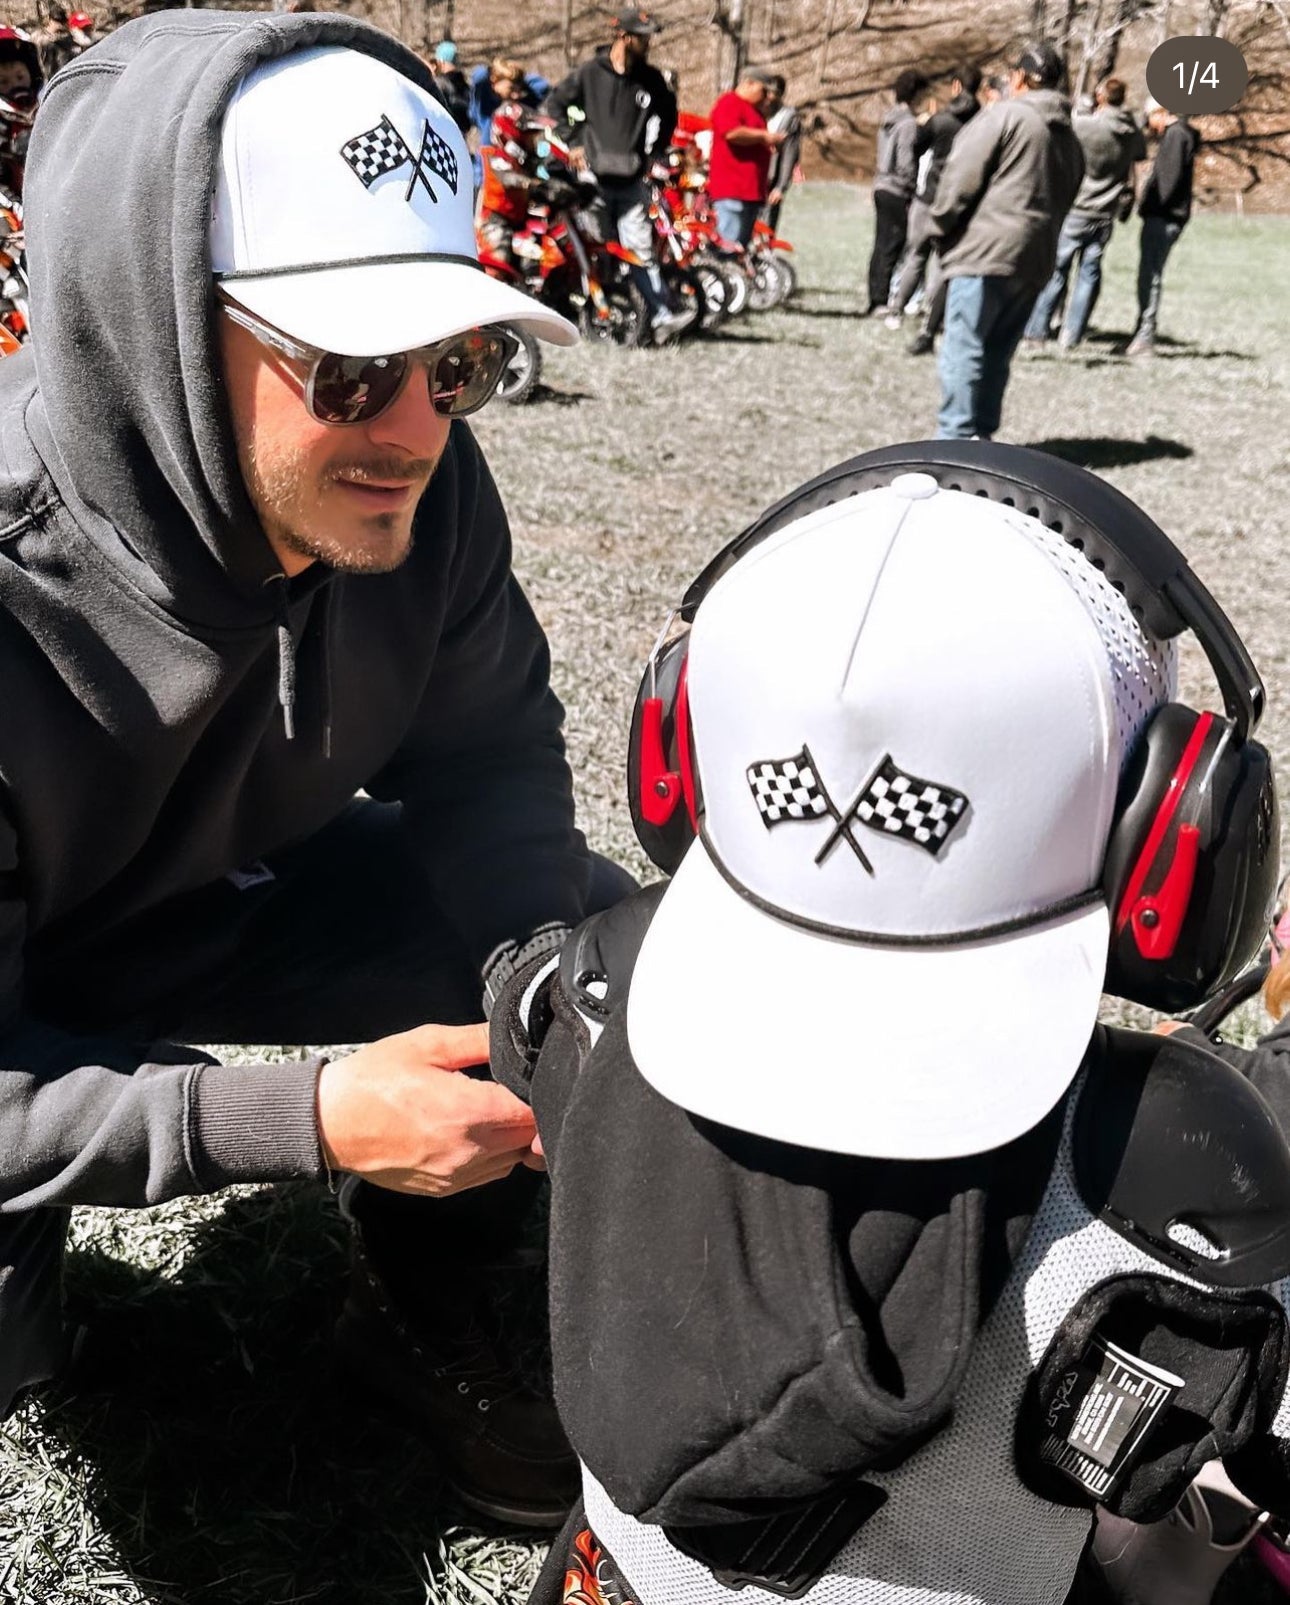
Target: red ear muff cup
[(660, 776), (1192, 859)]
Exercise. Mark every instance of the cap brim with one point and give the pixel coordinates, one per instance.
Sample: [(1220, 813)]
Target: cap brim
[(897, 1053), (371, 308)]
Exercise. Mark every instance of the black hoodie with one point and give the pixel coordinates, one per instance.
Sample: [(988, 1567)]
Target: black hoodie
[(628, 117), (147, 640)]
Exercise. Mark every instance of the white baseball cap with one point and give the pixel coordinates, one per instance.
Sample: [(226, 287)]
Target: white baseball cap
[(910, 713), (343, 211)]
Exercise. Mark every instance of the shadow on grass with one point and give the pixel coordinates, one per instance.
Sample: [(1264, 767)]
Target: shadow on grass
[(1167, 348), (224, 1457), (1105, 451), (543, 396)]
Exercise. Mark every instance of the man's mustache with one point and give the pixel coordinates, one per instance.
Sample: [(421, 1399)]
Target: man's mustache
[(384, 468)]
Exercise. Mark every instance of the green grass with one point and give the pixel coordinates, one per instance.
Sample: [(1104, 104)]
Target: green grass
[(208, 1454)]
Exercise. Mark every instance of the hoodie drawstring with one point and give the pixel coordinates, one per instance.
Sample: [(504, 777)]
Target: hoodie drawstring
[(286, 657), (325, 631)]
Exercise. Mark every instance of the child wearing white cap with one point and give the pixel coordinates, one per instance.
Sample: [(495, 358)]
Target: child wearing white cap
[(877, 1263)]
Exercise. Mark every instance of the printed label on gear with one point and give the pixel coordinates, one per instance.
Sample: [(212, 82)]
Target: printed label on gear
[(1100, 1412)]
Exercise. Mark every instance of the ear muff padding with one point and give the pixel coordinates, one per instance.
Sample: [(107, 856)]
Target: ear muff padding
[(664, 843), (1232, 803)]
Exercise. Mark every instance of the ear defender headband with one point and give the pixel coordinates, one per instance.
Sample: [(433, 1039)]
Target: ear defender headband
[(1191, 862)]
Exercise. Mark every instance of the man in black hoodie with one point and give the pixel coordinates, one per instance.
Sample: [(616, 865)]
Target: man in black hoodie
[(1164, 207), (895, 177), (619, 114), (250, 570)]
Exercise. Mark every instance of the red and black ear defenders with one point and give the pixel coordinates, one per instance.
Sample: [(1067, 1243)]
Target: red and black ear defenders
[(1191, 864)]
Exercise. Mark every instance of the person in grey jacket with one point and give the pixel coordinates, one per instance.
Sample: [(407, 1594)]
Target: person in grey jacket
[(246, 578), (894, 180), (1009, 181), (1112, 143)]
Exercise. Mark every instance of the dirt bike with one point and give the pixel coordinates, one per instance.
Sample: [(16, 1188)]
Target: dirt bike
[(14, 314)]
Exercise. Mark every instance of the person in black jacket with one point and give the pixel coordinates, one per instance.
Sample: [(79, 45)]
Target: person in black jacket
[(289, 767), (619, 114), (933, 141), (1164, 207)]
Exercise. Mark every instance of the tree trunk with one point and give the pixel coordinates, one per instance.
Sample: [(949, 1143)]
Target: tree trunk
[(1215, 16), (567, 23), (830, 14), (740, 15), (771, 34)]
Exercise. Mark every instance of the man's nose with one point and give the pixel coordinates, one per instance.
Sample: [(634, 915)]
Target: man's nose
[(410, 423)]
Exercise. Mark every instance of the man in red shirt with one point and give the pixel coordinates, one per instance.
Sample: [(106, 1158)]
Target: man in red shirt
[(741, 152)]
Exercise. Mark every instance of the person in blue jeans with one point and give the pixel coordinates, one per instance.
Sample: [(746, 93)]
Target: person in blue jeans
[(1111, 142), (1009, 180)]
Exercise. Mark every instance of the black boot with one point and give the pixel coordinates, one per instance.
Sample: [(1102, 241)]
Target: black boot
[(499, 1443)]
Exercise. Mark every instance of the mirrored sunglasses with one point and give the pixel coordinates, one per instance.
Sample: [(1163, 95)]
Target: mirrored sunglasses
[(463, 371)]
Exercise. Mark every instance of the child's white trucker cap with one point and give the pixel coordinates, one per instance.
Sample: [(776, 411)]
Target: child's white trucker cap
[(910, 711), (344, 211)]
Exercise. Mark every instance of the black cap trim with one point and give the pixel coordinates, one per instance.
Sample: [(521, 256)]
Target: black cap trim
[(981, 933), (349, 262)]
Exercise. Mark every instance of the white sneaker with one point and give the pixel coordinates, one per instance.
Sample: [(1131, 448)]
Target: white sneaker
[(891, 321), (1180, 1560)]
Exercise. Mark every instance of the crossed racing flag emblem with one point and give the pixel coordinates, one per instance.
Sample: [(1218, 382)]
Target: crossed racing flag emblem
[(920, 811), (384, 150)]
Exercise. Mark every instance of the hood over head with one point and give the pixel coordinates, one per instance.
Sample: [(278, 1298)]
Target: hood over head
[(129, 412)]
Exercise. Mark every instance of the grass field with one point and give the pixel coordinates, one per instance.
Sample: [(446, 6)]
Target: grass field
[(207, 1456)]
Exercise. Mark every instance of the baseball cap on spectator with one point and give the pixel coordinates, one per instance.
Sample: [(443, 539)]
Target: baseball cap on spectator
[(1042, 64), (910, 713), (633, 20), (343, 210), (447, 51)]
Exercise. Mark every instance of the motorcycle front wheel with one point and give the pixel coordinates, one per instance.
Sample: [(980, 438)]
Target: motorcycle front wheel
[(623, 320)]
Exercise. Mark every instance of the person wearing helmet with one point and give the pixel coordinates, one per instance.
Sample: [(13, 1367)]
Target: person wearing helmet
[(508, 180), (21, 80), (894, 1291), (290, 767)]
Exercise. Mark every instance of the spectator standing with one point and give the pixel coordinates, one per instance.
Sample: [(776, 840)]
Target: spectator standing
[(1164, 207), (933, 141), (451, 83), (894, 182), (1009, 181), (786, 158), (994, 89), (618, 114), (742, 147), (1111, 142)]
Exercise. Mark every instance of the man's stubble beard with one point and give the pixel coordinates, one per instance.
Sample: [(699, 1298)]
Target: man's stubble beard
[(291, 506)]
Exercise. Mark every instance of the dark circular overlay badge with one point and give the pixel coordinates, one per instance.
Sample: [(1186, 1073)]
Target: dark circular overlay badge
[(1195, 75)]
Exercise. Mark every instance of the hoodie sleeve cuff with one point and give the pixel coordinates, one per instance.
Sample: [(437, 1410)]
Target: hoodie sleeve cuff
[(255, 1122)]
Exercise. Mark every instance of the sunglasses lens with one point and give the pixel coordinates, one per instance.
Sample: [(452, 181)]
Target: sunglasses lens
[(347, 390), (468, 371)]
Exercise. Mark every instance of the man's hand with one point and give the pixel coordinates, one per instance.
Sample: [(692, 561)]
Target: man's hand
[(578, 159), (397, 1114), (775, 197), (776, 136)]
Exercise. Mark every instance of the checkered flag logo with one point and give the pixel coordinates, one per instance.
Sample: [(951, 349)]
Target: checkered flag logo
[(786, 788), (919, 811), (383, 150)]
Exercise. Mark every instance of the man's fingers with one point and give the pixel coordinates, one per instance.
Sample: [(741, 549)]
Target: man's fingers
[(451, 1047)]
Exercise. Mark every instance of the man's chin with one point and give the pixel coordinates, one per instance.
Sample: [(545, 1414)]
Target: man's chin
[(377, 544)]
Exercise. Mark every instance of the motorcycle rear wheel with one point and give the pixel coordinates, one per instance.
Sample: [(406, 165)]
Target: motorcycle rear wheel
[(523, 370), (714, 283)]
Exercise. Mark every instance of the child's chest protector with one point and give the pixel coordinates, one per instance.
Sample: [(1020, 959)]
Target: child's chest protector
[(1142, 1333)]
